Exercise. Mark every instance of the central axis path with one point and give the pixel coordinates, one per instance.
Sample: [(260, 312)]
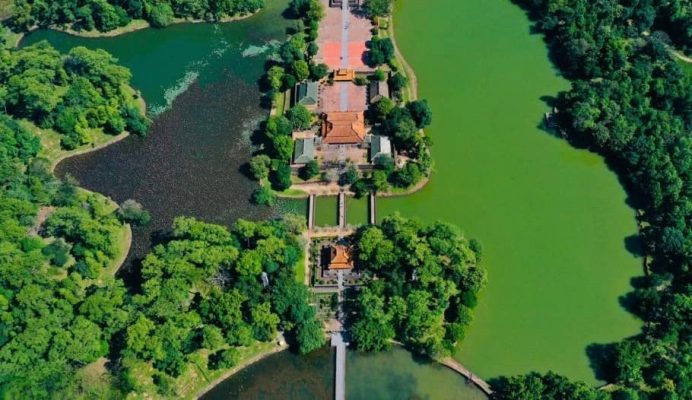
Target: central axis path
[(340, 383), (345, 25)]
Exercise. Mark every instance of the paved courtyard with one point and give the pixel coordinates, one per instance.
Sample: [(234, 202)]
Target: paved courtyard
[(334, 96), (342, 39), (342, 154)]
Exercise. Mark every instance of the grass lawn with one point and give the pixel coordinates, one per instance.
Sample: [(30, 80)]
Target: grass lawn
[(134, 25), (50, 139), (5, 9), (197, 376), (300, 268), (50, 142), (282, 102), (357, 211), (123, 248), (687, 67), (326, 211)]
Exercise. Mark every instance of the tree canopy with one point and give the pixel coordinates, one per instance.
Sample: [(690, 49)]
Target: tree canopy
[(204, 287), (55, 317), (421, 287), (74, 94), (106, 15), (377, 8)]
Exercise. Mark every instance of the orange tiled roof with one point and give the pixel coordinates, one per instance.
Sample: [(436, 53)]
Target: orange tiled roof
[(341, 75), (340, 258), (343, 128)]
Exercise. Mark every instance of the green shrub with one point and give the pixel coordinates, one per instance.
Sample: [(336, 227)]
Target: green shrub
[(310, 170), (263, 196), (161, 15), (58, 252), (224, 359), (133, 213)]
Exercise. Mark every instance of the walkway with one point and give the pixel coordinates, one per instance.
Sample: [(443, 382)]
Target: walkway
[(342, 210), (346, 24), (373, 210), (680, 55), (311, 212), (331, 231), (340, 381), (340, 344), (476, 380)]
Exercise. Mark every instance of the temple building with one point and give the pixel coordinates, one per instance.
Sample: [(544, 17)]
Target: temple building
[(380, 146), (343, 128), (306, 94), (303, 151), (340, 258)]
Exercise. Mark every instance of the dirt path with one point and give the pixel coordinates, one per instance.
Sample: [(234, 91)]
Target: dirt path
[(410, 73), (41, 217), (681, 56), (333, 189)]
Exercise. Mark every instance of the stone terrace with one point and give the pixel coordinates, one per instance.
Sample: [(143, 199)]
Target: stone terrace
[(331, 97), (331, 39)]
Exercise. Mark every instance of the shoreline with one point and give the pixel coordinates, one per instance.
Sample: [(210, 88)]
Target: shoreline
[(120, 261), (86, 150), (333, 189), (133, 26), (242, 365), (125, 251), (408, 70), (680, 56)]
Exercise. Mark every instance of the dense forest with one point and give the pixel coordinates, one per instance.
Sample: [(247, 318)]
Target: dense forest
[(47, 273), (421, 286), (631, 102), (202, 296), (211, 290), (76, 94), (62, 312), (106, 15)]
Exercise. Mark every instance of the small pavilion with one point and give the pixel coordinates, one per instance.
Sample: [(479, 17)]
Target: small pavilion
[(340, 258), (306, 94), (303, 151), (344, 75), (377, 90), (380, 146)]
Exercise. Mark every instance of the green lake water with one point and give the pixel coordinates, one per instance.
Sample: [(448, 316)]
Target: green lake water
[(326, 211), (396, 374), (356, 211), (553, 220), (391, 375), (282, 376)]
